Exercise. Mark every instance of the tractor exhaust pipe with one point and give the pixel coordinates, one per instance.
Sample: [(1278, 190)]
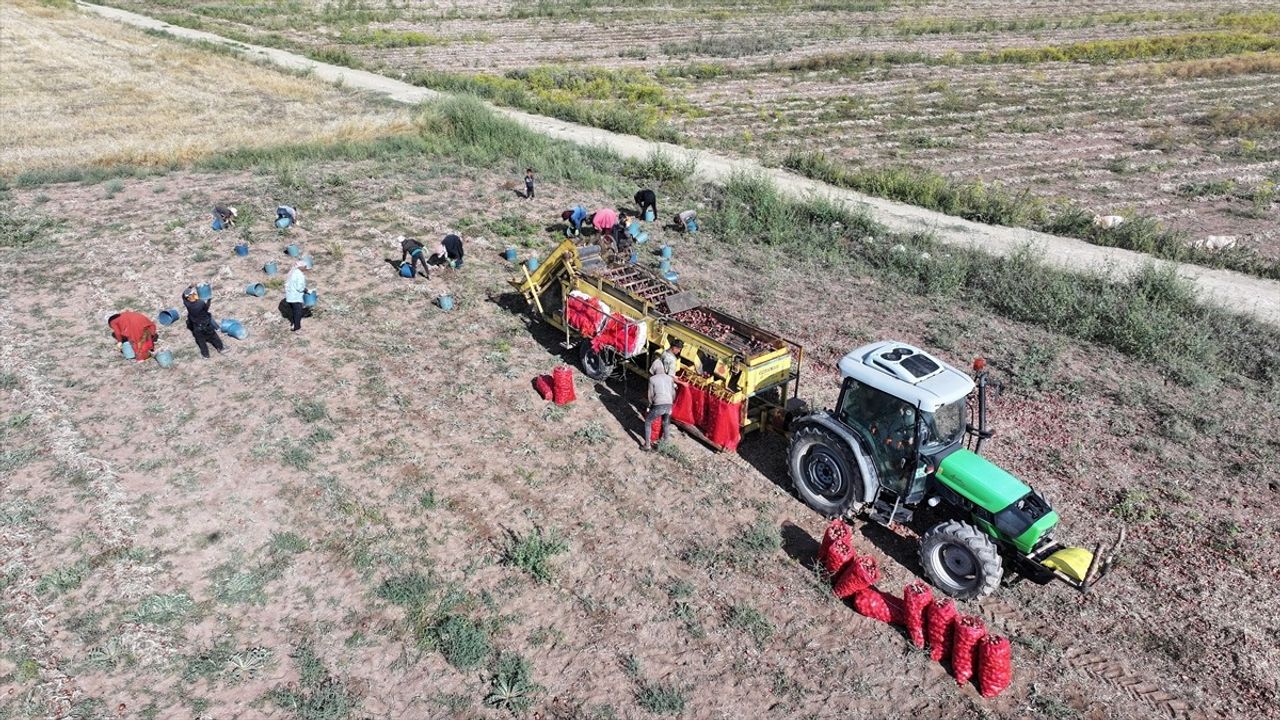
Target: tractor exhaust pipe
[(980, 369)]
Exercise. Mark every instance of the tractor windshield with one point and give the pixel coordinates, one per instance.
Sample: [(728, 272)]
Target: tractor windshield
[(943, 427)]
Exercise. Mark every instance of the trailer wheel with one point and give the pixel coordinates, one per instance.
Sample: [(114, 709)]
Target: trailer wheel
[(824, 472), (960, 560), (598, 366)]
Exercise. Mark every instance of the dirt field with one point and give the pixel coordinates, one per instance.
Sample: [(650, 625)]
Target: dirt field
[(166, 104), (377, 516), (1121, 124)]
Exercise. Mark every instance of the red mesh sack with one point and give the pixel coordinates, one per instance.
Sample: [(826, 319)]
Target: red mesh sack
[(858, 574), (698, 405), (724, 426), (542, 384), (583, 315), (619, 333), (836, 557), (682, 409), (995, 665), (562, 385), (655, 431), (938, 620), (964, 638), (915, 598), (870, 602), (837, 531)]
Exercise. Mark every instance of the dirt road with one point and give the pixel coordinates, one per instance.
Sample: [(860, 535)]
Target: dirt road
[(1241, 293)]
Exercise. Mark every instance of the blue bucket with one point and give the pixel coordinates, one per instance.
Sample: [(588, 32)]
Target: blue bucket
[(309, 298), (648, 216), (666, 252), (270, 268), (633, 229), (164, 358), (126, 349), (311, 263), (509, 255), (691, 226), (203, 291), (283, 222), (293, 250), (168, 316), (531, 263), (217, 224), (406, 270), (445, 302), (255, 289), (242, 249), (671, 276), (664, 266), (642, 238), (234, 329), (635, 258)]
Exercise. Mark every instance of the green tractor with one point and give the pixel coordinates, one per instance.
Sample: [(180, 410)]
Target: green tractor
[(898, 439)]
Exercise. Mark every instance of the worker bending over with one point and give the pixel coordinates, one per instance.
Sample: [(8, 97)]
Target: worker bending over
[(575, 218), (648, 202), (286, 216), (662, 395), (135, 329), (223, 217), (450, 251), (411, 251), (200, 322), (687, 221)]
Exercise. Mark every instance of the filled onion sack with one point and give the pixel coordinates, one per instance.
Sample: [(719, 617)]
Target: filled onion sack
[(938, 619), (968, 631), (869, 602), (562, 385), (995, 665), (837, 557), (542, 384), (916, 597), (655, 431), (858, 574), (837, 533)]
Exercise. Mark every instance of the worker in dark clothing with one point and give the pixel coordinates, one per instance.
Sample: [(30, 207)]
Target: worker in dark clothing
[(224, 217), (200, 322), (647, 201), (412, 251), (450, 250), (622, 239), (528, 183)]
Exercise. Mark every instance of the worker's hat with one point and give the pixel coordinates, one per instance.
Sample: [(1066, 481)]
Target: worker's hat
[(233, 211)]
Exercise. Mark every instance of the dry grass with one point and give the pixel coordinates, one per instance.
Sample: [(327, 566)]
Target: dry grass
[(79, 90)]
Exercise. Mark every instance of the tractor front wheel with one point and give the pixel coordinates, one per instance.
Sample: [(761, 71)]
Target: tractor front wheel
[(824, 472), (960, 560), (598, 366)]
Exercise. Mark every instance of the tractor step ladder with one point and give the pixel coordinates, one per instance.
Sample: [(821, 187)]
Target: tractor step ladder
[(886, 514)]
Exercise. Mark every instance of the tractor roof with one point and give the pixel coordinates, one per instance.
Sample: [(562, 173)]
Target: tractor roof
[(906, 372)]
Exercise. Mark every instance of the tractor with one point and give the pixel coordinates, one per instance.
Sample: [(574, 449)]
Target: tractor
[(898, 441)]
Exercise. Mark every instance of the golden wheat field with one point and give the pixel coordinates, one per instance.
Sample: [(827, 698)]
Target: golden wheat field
[(80, 90)]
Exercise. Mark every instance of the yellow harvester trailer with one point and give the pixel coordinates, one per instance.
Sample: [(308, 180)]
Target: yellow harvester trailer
[(589, 295)]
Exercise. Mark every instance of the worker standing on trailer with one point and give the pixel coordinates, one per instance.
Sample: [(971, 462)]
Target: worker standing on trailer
[(671, 357), (200, 322), (648, 202), (662, 395), (450, 251), (411, 251), (294, 289)]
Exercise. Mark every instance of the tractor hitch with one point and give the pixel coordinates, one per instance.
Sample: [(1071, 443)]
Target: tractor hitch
[(1080, 568)]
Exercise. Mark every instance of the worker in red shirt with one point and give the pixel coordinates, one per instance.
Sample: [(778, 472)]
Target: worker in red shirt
[(137, 329)]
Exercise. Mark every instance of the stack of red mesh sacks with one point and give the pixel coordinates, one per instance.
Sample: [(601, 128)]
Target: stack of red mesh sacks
[(720, 421), (961, 638), (584, 315), (619, 333)]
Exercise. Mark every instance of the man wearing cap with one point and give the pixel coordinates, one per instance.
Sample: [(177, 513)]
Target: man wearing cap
[(295, 286), (200, 322)]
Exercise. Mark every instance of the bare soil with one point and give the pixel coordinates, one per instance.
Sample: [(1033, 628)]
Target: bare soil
[(390, 437)]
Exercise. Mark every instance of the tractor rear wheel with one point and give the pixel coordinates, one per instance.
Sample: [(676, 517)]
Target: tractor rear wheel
[(598, 366), (960, 560), (824, 472)]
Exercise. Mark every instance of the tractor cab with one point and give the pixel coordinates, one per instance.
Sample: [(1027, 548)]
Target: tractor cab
[(908, 410)]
